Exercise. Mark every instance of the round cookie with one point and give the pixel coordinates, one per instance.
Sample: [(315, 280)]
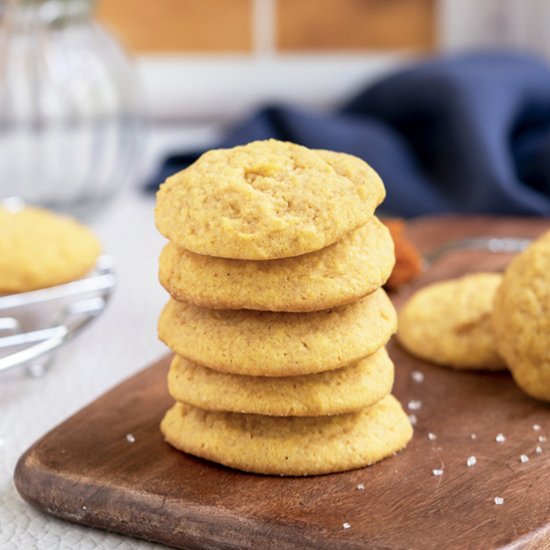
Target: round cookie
[(266, 200), (293, 446), (341, 273), (449, 322), (332, 392), (521, 318), (39, 249), (261, 343)]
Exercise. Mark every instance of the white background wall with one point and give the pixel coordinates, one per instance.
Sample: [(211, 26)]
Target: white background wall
[(206, 88)]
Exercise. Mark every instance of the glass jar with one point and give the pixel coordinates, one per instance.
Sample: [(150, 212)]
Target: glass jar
[(68, 107)]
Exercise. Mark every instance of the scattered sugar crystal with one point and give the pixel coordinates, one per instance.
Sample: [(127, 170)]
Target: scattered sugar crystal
[(361, 487), (471, 461), (437, 472), (523, 459), (473, 436), (417, 376), (538, 449), (542, 438), (414, 405), (536, 427), (130, 438), (499, 500), (84, 507), (413, 419), (346, 525), (432, 436), (500, 438)]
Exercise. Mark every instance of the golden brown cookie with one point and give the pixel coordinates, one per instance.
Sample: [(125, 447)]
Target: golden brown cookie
[(39, 249), (266, 200), (343, 272), (261, 343), (293, 446), (521, 318), (332, 392), (449, 323)]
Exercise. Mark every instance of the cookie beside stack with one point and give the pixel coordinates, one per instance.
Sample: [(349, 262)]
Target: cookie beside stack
[(449, 322), (277, 318)]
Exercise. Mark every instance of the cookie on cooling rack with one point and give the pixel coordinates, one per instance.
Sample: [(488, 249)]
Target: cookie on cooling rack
[(39, 248)]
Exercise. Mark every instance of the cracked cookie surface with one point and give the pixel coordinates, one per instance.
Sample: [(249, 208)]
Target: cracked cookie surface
[(266, 200), (292, 445)]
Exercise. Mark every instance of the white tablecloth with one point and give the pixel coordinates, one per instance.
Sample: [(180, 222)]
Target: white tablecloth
[(119, 343)]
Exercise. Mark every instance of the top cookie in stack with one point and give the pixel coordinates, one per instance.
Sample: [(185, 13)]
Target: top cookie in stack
[(267, 200), (288, 234), (311, 211)]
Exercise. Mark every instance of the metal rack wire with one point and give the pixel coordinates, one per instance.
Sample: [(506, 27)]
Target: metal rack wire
[(494, 245), (78, 303)]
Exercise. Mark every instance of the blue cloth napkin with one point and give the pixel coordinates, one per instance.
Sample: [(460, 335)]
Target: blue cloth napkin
[(463, 134)]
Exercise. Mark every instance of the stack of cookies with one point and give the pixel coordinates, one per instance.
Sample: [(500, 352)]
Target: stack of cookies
[(276, 316)]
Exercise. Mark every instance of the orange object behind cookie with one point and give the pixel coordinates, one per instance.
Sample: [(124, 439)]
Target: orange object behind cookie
[(408, 261)]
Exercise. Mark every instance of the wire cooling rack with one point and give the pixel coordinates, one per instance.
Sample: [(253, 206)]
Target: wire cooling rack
[(31, 344)]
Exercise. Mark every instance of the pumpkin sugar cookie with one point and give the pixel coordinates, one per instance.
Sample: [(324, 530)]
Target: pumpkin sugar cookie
[(449, 323), (331, 392), (262, 343), (39, 249), (266, 200), (521, 318), (341, 273)]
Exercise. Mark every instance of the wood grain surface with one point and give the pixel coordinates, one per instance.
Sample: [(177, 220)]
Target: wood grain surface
[(180, 26), (86, 471), (355, 25)]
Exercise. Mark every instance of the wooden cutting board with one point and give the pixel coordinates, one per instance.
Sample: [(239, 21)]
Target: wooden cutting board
[(86, 471)]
